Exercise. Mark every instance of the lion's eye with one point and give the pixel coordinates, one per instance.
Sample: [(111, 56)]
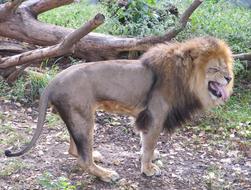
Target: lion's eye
[(213, 69)]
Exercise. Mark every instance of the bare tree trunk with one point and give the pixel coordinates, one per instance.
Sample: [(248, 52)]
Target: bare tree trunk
[(18, 21)]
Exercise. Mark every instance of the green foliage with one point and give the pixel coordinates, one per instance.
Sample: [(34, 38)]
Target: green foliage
[(27, 89), (13, 166), (61, 183), (238, 68), (223, 20), (38, 82), (72, 16), (236, 114), (3, 87), (53, 120), (138, 18), (17, 91)]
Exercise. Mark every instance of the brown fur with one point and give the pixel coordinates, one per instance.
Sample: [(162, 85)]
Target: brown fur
[(162, 90)]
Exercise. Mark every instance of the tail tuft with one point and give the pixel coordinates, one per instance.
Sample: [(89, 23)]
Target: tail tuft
[(7, 153)]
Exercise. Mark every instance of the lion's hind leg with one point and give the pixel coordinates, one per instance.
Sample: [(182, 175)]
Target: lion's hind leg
[(97, 156), (80, 125)]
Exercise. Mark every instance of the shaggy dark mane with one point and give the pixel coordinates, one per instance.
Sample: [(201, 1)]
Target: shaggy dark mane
[(172, 72)]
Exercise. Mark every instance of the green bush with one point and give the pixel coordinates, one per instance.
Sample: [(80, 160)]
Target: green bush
[(47, 181), (39, 82), (223, 20), (138, 18), (26, 89)]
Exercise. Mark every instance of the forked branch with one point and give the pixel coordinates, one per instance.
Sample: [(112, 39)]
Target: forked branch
[(64, 47)]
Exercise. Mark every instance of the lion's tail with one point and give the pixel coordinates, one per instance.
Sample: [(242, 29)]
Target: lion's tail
[(43, 103)]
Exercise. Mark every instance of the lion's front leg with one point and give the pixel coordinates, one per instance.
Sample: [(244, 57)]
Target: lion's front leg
[(149, 141)]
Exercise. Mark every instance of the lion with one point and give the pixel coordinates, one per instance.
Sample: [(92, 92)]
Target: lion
[(162, 90)]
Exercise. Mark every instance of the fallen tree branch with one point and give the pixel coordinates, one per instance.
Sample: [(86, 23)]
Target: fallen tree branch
[(14, 75), (40, 6), (66, 46), (243, 56), (11, 47), (25, 27)]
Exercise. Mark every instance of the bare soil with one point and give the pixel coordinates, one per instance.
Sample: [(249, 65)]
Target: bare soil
[(190, 158)]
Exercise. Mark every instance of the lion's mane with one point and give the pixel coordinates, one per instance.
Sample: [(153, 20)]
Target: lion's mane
[(178, 68)]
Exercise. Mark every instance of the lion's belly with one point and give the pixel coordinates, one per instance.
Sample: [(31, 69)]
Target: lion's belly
[(116, 107)]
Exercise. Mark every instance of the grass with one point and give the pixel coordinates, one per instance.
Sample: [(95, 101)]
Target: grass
[(233, 118), (223, 20), (27, 89), (9, 136), (236, 114), (48, 181), (53, 120), (11, 167), (73, 15)]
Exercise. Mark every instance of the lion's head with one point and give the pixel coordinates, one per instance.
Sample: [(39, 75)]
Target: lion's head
[(213, 71)]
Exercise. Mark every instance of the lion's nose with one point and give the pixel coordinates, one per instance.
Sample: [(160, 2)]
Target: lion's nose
[(228, 79)]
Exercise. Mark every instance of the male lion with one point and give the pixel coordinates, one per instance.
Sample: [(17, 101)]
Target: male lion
[(162, 90)]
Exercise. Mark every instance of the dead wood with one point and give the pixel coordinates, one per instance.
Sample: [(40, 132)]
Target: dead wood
[(66, 46), (12, 47), (243, 56), (22, 25)]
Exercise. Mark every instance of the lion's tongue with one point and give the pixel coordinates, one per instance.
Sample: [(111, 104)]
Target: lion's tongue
[(220, 89), (223, 93)]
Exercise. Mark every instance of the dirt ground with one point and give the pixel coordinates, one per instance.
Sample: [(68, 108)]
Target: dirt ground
[(190, 158)]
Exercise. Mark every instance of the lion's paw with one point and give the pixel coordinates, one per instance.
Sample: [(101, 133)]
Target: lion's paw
[(156, 155), (151, 170), (97, 156), (110, 176)]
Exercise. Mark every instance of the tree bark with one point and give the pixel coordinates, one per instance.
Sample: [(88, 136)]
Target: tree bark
[(64, 47), (19, 22), (243, 56)]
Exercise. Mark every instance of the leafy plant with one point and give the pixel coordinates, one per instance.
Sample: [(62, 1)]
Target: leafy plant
[(139, 18), (221, 19), (61, 183), (11, 167), (39, 82), (238, 68), (18, 90)]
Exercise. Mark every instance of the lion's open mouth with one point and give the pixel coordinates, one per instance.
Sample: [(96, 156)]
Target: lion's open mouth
[(217, 89)]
